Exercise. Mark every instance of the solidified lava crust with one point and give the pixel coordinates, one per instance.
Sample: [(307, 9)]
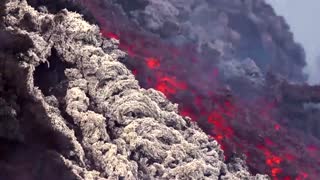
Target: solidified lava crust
[(233, 66), (70, 110)]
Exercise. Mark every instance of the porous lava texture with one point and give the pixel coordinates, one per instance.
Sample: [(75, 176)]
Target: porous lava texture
[(70, 110), (231, 65)]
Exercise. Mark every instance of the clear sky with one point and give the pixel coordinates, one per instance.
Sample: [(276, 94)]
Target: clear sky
[(303, 16)]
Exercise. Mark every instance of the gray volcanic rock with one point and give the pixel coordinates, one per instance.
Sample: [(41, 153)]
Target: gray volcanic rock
[(71, 110)]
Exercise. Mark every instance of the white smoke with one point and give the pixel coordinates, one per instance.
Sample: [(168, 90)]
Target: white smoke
[(303, 18)]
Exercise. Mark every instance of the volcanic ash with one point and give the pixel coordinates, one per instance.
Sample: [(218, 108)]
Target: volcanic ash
[(71, 110)]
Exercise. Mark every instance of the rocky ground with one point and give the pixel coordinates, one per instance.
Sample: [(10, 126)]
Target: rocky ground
[(71, 110)]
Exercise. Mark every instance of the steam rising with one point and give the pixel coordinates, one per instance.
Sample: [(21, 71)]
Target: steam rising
[(301, 17)]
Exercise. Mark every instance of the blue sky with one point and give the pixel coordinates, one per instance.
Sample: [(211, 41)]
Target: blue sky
[(303, 16)]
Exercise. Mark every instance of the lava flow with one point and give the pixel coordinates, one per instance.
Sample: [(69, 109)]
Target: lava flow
[(241, 126)]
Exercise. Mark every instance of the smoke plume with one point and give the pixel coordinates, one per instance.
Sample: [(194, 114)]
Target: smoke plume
[(300, 16)]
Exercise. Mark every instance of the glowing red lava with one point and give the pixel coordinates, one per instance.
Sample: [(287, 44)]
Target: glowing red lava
[(193, 83)]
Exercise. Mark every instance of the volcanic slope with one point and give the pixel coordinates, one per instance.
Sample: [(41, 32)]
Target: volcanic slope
[(71, 110)]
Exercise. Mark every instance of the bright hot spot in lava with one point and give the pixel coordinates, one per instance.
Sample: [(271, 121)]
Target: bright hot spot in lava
[(240, 126)]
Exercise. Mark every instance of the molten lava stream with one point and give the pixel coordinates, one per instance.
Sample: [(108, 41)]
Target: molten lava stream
[(228, 123), (228, 127), (248, 128)]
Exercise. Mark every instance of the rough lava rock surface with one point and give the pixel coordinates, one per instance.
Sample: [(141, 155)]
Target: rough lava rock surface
[(71, 110)]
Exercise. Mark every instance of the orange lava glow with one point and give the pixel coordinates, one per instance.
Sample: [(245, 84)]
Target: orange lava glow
[(175, 71), (152, 63)]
